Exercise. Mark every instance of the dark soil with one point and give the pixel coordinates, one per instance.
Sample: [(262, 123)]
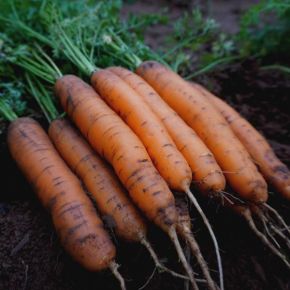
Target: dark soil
[(32, 258)]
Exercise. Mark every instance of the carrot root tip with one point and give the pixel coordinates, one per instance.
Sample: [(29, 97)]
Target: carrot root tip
[(160, 267), (114, 268), (248, 216), (173, 236), (189, 238), (210, 230)]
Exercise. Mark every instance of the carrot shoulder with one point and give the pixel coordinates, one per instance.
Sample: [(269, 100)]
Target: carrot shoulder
[(80, 229), (146, 125), (211, 127), (114, 140), (274, 171), (206, 173)]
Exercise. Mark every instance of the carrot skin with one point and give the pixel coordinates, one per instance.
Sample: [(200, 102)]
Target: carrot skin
[(100, 181), (207, 175), (80, 229), (211, 127), (114, 141), (274, 171), (126, 102)]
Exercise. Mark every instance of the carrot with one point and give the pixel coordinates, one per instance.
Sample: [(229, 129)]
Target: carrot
[(146, 125), (98, 178), (274, 171), (207, 175), (79, 228), (211, 127)]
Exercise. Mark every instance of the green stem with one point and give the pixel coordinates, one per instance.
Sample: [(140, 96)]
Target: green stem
[(74, 54), (43, 99), (7, 111), (27, 65), (178, 46), (40, 65), (119, 47), (19, 25), (278, 67), (213, 64)]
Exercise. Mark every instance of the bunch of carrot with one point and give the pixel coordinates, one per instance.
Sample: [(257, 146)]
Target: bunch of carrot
[(160, 134)]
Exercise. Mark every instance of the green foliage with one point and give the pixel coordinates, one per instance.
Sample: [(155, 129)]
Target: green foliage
[(11, 87), (265, 29), (198, 44), (12, 94)]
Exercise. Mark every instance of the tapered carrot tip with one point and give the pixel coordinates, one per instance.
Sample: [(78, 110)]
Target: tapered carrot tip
[(87, 252)]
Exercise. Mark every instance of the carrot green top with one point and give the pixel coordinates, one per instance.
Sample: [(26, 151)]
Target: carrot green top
[(43, 98)]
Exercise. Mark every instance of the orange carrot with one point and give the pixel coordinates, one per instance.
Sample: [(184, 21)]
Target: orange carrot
[(207, 175), (135, 112), (274, 171), (211, 127), (80, 229)]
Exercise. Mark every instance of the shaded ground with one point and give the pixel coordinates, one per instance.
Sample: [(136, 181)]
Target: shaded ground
[(31, 257)]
